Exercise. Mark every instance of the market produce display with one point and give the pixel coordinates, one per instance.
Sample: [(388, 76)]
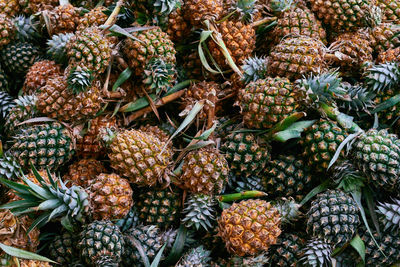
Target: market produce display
[(199, 133)]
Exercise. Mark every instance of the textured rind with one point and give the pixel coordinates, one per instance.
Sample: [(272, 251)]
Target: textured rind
[(38, 74), (82, 172), (196, 11), (249, 227)]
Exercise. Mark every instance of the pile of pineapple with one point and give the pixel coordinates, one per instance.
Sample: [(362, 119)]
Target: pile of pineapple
[(199, 133)]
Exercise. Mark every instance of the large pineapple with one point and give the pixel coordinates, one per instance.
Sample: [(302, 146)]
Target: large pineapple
[(377, 155), (333, 217), (38, 74), (137, 156), (47, 145), (321, 142), (204, 171), (101, 242), (151, 43), (246, 155), (63, 19), (95, 17), (89, 49), (199, 212), (345, 15), (59, 99), (249, 227), (287, 176), (159, 207), (266, 102), (296, 56)]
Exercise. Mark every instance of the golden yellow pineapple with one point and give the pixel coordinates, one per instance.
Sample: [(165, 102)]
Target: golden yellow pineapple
[(56, 100), (197, 11), (178, 28), (83, 171), (10, 7), (94, 17), (137, 156), (249, 227), (204, 171), (13, 231), (89, 145), (38, 74), (111, 197)]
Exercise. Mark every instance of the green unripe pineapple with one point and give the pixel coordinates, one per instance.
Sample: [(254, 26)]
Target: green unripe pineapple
[(63, 248), (19, 57), (287, 251)]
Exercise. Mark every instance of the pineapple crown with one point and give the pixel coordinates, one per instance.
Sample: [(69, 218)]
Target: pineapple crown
[(361, 99), (56, 47), (254, 68), (288, 209), (165, 7), (107, 135), (317, 253), (254, 261), (159, 75), (80, 79), (244, 10), (281, 5), (348, 177), (6, 103), (382, 77), (199, 212), (54, 199), (197, 256), (390, 214), (26, 28), (24, 101), (9, 167), (323, 88)]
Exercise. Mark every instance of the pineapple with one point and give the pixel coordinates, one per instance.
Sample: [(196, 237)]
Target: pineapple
[(158, 76), (163, 132), (47, 145), (178, 28), (82, 172), (298, 20), (389, 55), (321, 142), (130, 221), (204, 90), (266, 102), (89, 145), (25, 109), (287, 251), (95, 17), (137, 156), (57, 47), (111, 196), (14, 231), (333, 217), (59, 101), (377, 154), (151, 43), (199, 212), (385, 36), (197, 11), (7, 29), (297, 56), (9, 7), (63, 248), (249, 227), (9, 168), (101, 242), (390, 11), (287, 176), (38, 74), (150, 239), (89, 49), (204, 171), (33, 6), (159, 207), (246, 155), (345, 15), (63, 19), (19, 57), (389, 243)]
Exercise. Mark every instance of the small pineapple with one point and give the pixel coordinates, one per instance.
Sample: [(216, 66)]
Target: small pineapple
[(178, 28), (159, 207), (101, 241), (38, 74), (389, 55), (389, 243), (63, 19), (95, 17), (82, 172), (111, 196), (63, 248), (389, 214), (321, 142), (47, 145), (6, 104), (249, 227), (266, 102), (204, 171), (317, 253), (9, 7)]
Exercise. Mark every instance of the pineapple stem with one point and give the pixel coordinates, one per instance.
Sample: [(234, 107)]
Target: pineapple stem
[(264, 21), (287, 122), (114, 14), (343, 119), (241, 196)]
